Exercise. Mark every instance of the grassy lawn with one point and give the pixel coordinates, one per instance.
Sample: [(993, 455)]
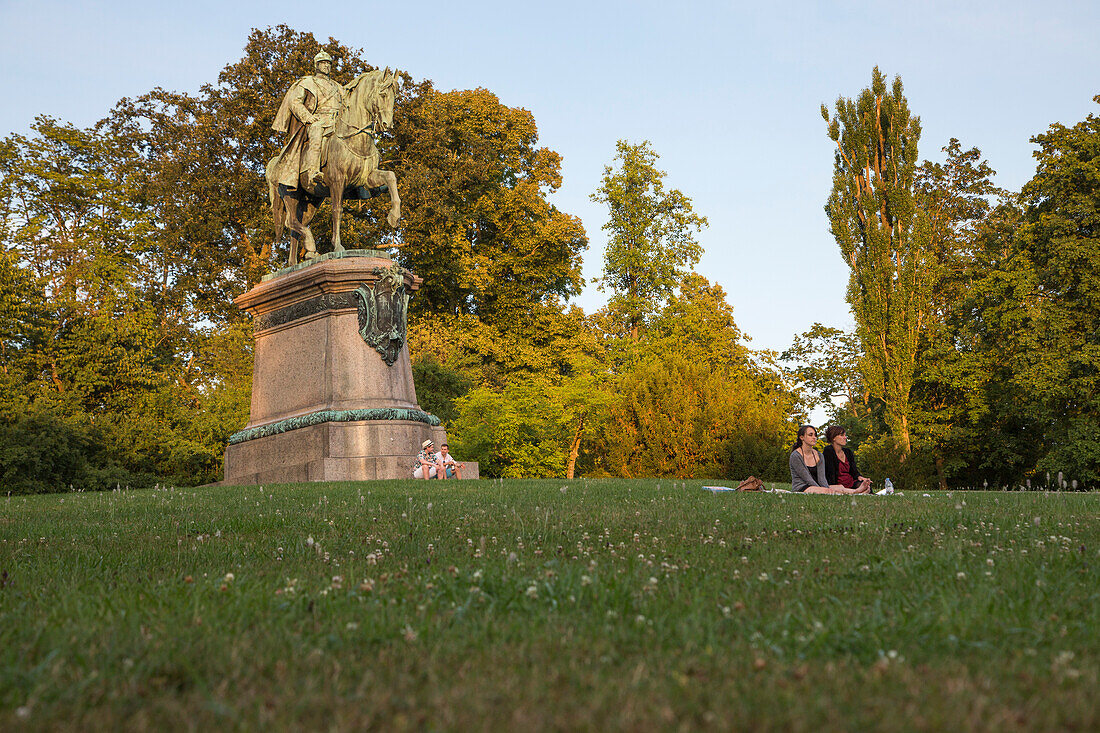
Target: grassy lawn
[(548, 604)]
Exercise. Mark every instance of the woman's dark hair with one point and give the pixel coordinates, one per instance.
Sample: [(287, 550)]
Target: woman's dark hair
[(832, 432), (801, 431)]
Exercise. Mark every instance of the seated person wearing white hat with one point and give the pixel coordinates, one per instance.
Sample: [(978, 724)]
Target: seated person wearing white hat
[(428, 463)]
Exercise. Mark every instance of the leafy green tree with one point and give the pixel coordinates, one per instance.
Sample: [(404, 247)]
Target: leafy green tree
[(556, 351), (478, 225), (680, 418), (40, 453), (517, 432), (651, 245), (691, 399), (698, 322), (994, 426), (23, 324), (546, 344), (884, 237), (1062, 242), (99, 351), (1008, 382), (74, 227), (824, 364), (956, 197), (950, 376), (438, 386)]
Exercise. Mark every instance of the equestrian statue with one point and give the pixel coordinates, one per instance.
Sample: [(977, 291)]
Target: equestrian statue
[(330, 151)]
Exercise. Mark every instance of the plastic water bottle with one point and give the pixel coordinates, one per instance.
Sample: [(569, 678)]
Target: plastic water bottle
[(887, 487)]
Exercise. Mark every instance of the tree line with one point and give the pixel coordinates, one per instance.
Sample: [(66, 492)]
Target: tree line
[(976, 356), (124, 361)]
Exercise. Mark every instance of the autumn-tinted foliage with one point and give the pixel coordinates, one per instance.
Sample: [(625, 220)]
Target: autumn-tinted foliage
[(478, 226)]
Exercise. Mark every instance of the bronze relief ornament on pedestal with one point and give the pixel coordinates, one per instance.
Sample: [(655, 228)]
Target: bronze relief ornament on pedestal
[(383, 309)]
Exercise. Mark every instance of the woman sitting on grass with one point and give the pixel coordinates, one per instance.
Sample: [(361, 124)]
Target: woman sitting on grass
[(840, 463), (808, 467)]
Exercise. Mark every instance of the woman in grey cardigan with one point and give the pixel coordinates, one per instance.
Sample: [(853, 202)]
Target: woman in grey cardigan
[(808, 466)]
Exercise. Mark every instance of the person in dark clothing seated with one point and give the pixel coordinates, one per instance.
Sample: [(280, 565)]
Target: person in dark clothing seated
[(840, 462)]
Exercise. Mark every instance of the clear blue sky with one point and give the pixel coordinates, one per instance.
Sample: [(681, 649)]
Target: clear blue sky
[(728, 93)]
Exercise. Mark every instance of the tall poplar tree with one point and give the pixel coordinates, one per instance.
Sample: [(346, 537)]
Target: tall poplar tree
[(884, 238), (652, 244)]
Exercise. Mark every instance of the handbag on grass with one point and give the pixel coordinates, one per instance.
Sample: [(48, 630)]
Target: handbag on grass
[(750, 484)]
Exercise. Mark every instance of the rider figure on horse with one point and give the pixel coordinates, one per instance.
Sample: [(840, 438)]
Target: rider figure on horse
[(308, 114), (335, 127)]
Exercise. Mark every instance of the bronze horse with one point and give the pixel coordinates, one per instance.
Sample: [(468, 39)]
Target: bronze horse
[(351, 165)]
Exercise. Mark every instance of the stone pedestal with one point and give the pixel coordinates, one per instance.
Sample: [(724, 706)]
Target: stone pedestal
[(326, 405)]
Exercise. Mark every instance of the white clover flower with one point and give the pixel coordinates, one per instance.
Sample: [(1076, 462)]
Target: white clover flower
[(229, 577), (532, 591), (586, 580)]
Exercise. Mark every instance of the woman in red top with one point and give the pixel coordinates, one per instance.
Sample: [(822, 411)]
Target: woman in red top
[(840, 462)]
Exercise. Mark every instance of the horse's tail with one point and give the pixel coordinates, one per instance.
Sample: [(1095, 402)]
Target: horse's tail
[(278, 209)]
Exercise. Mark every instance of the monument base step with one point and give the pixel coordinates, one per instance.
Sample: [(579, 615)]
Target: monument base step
[(330, 451)]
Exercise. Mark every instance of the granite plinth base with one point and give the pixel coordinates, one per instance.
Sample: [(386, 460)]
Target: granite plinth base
[(309, 354), (332, 387), (330, 451)]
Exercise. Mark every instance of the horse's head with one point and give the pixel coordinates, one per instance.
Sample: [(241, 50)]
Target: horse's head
[(385, 96), (370, 99)]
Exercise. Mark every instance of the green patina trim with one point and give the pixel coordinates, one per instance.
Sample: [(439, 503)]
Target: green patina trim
[(377, 253), (316, 418)]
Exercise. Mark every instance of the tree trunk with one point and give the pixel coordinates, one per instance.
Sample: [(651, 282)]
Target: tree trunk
[(56, 377), (574, 449), (939, 473), (903, 436)]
